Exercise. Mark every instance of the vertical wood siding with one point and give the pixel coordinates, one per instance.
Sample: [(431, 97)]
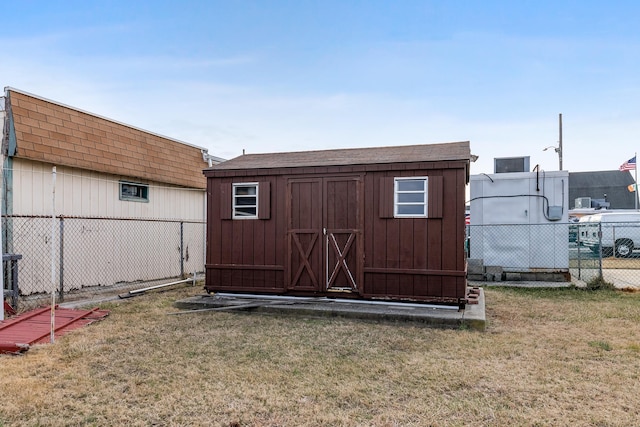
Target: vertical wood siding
[(246, 254), (400, 258)]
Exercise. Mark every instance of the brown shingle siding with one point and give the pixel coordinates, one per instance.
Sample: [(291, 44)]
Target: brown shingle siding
[(30, 137), (79, 134), (58, 151), (118, 152), (27, 121), (61, 115), (26, 146), (82, 149), (52, 142), (19, 111), (73, 112), (66, 145), (58, 136), (36, 156), (41, 148), (91, 140), (55, 121), (67, 126), (44, 110), (109, 156), (78, 120), (47, 131), (48, 126), (98, 132), (75, 140), (84, 128), (40, 131), (75, 155), (119, 144), (37, 116)]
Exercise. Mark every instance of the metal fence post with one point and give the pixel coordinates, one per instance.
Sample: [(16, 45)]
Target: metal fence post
[(613, 231), (578, 242), (182, 249), (61, 291), (600, 250)]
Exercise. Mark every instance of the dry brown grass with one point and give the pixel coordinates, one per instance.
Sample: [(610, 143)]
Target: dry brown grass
[(548, 358), (624, 263), (610, 263)]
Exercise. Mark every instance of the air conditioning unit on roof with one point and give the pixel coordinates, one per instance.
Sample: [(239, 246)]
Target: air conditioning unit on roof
[(582, 203), (511, 164), (600, 204)]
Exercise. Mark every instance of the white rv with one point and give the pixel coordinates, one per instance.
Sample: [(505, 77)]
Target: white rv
[(617, 232)]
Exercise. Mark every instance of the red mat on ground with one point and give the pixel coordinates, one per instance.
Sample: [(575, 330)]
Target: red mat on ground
[(18, 333), (8, 310)]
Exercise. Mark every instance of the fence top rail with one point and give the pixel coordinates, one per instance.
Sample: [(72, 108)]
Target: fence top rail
[(555, 223), (577, 224), (609, 223), (187, 221)]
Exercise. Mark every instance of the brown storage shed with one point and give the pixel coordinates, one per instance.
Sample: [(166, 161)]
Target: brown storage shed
[(374, 223)]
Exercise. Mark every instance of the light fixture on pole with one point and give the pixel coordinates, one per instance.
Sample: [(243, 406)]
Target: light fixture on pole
[(558, 149)]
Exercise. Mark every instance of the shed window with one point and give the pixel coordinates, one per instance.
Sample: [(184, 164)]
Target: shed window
[(245, 200), (134, 192), (410, 197)]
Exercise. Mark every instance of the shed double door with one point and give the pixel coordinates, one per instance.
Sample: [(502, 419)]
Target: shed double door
[(324, 234)]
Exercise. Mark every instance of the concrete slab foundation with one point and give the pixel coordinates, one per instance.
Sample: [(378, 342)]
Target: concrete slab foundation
[(472, 317)]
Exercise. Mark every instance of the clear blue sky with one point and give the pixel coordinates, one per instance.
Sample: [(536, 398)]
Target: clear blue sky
[(304, 75)]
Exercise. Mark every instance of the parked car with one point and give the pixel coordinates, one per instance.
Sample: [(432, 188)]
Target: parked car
[(620, 233), (573, 229)]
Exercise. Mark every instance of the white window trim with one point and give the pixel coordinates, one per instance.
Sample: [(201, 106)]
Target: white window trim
[(424, 203), (130, 198), (233, 203)]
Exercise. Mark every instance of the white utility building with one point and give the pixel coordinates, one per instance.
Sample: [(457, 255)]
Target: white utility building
[(519, 223)]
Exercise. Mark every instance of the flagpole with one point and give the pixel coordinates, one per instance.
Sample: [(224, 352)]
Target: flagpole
[(635, 156)]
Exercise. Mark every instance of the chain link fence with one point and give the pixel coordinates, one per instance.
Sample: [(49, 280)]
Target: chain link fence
[(577, 252), (84, 257)]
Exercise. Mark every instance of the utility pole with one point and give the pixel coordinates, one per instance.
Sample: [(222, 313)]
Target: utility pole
[(560, 142), (558, 149)]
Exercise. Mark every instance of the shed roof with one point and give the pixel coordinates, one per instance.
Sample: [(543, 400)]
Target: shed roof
[(55, 133), (351, 156)]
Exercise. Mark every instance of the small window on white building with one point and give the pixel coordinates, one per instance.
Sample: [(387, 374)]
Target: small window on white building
[(410, 197), (134, 192), (245, 200)]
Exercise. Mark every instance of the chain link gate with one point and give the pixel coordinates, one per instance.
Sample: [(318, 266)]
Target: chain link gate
[(558, 247)]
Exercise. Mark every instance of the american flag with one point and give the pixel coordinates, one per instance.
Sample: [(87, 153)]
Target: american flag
[(629, 165)]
